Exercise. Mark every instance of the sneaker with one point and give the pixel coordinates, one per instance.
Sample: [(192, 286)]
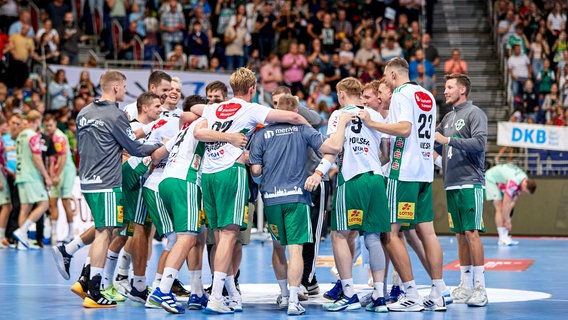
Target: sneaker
[(448, 296), (507, 242), (303, 293), (166, 301), (461, 294), (138, 296), (406, 304), (334, 293), (122, 284), (112, 294), (196, 302), (80, 288), (395, 293), (67, 240), (22, 237), (8, 244), (94, 298), (370, 282), (345, 303), (282, 302), (236, 303), (182, 294), (434, 304), (313, 289), (62, 260), (148, 303), (296, 309), (379, 305), (366, 299), (478, 297), (217, 307)]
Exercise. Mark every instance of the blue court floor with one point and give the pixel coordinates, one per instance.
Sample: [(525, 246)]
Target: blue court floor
[(31, 287)]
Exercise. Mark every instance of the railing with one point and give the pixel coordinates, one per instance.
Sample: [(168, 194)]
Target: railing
[(534, 161), (501, 56)]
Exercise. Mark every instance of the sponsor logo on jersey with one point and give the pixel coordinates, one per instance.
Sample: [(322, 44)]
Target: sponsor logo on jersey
[(423, 101), (355, 217), (159, 124), (216, 154), (397, 154), (459, 124), (405, 210), (426, 155), (274, 230), (196, 162), (360, 149), (92, 180), (395, 165), (425, 145), (399, 143), (81, 122), (268, 134), (286, 131), (358, 140), (228, 110)]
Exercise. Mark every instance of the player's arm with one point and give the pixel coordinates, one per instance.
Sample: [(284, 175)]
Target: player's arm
[(478, 139), (202, 133), (256, 170), (399, 129), (313, 118), (120, 132), (384, 157), (255, 156), (334, 143), (187, 118), (37, 159), (281, 116), (197, 109), (313, 181)]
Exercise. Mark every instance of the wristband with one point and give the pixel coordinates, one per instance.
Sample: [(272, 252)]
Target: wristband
[(323, 166), (449, 139)]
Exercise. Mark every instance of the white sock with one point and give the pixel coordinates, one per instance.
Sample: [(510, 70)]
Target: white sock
[(218, 283), (503, 233), (395, 278), (479, 276), (410, 289), (70, 230), (27, 224), (54, 229), (74, 245), (378, 290), (438, 288), (170, 274), (231, 287), (195, 282), (466, 277), (110, 266), (293, 293), (347, 285), (284, 287), (157, 280), (139, 282), (124, 261), (2, 233), (95, 271)]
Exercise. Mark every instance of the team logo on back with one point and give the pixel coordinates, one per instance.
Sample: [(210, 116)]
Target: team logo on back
[(228, 110), (424, 101)]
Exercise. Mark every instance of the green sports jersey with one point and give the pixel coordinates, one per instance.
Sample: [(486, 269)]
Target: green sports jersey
[(28, 142)]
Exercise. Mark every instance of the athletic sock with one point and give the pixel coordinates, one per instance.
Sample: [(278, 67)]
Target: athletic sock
[(479, 276), (466, 277), (438, 288), (195, 282), (284, 287), (95, 271), (124, 263), (2, 233), (70, 230), (348, 289), (293, 294), (378, 290), (410, 289), (231, 287), (218, 284), (74, 245), (157, 280), (503, 233), (170, 274), (54, 230), (26, 226), (139, 282), (110, 266), (395, 278)]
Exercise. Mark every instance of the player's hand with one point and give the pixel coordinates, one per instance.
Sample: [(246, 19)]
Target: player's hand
[(48, 183), (312, 182), (346, 117), (364, 115), (441, 139), (238, 139), (1, 186), (55, 180)]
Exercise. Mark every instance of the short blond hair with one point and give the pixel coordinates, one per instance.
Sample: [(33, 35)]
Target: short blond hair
[(178, 80), (287, 102), (242, 80), (33, 115), (373, 86), (351, 86), (111, 76), (397, 64)]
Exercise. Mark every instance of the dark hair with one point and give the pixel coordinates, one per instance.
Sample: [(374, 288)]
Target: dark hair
[(49, 117), (531, 186), (462, 80), (145, 98), (156, 78), (192, 100), (217, 85)]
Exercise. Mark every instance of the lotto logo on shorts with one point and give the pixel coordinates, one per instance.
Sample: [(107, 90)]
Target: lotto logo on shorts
[(130, 227), (120, 214), (246, 215), (406, 210), (450, 221), (274, 230), (355, 217)]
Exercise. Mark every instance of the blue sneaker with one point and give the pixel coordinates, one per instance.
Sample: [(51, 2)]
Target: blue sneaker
[(166, 301), (395, 293), (196, 302), (345, 303), (334, 293), (379, 305), (448, 296)]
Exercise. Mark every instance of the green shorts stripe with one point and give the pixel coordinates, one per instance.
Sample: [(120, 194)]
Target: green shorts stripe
[(465, 209), (290, 223), (410, 201), (106, 207), (158, 212), (182, 200)]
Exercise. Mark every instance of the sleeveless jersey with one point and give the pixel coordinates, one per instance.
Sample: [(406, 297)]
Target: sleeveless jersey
[(235, 115), (412, 158)]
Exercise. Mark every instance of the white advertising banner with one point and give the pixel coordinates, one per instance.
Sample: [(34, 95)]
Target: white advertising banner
[(535, 136), (137, 80)]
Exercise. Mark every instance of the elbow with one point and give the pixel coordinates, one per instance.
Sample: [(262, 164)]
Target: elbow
[(406, 132)]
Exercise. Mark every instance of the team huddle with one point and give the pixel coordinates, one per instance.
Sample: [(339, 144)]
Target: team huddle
[(184, 172)]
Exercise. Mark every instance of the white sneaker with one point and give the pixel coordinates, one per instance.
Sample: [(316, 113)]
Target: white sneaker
[(148, 304), (282, 302), (22, 237), (217, 307), (435, 304), (122, 286), (478, 298), (461, 294), (236, 303), (303, 294), (295, 309), (366, 299), (508, 242), (407, 304)]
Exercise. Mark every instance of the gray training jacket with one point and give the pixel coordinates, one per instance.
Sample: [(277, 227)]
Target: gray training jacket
[(102, 132), (464, 157)]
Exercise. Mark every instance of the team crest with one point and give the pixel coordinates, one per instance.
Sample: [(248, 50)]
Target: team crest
[(459, 124)]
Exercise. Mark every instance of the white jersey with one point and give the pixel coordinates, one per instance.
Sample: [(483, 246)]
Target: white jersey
[(186, 154), (412, 158), (135, 161), (162, 129), (235, 115), (361, 151), (131, 111)]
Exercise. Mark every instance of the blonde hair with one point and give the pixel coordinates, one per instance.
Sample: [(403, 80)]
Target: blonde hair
[(287, 102), (242, 80), (111, 76), (33, 115), (351, 86), (176, 79), (373, 86), (397, 64)]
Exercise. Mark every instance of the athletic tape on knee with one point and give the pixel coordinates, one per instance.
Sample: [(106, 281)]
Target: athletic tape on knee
[(376, 254), (172, 237)]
